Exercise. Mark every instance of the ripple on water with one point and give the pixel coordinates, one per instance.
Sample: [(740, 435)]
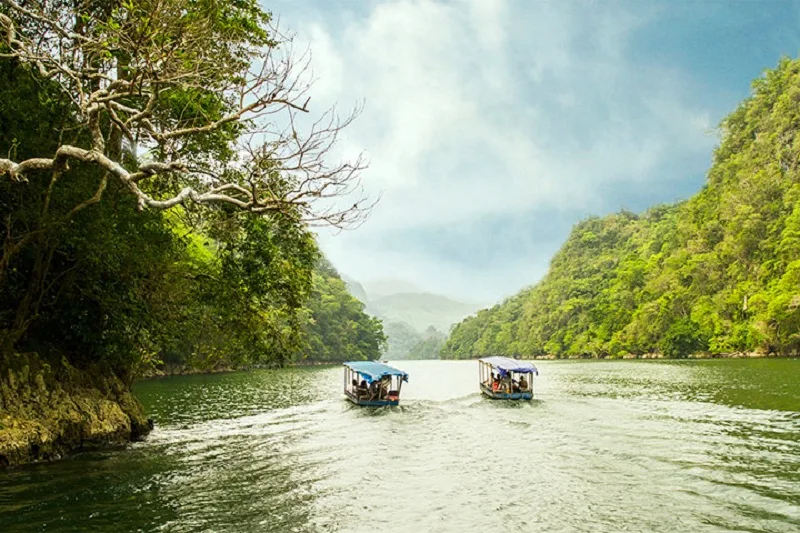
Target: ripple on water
[(612, 447)]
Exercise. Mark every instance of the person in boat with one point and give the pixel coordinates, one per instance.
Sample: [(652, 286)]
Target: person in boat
[(374, 390), (523, 384), (386, 384), (362, 391), (496, 383), (506, 384)]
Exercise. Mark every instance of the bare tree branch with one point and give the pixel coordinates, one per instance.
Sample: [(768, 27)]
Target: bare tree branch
[(130, 67)]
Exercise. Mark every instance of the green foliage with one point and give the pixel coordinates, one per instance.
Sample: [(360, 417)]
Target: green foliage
[(337, 328), (718, 272), (132, 290), (682, 339), (237, 299)]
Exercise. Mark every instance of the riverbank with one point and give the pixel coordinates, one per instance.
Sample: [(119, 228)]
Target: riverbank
[(700, 355), (183, 370), (306, 362), (49, 409), (172, 371)]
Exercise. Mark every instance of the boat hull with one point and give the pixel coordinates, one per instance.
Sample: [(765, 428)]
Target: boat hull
[(528, 395), (371, 403)]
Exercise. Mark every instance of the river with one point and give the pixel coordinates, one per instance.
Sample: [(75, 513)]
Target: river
[(683, 446)]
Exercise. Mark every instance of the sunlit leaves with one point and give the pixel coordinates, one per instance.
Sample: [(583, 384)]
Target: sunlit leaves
[(718, 272)]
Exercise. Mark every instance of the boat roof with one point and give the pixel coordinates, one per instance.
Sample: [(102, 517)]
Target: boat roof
[(373, 370), (506, 364)]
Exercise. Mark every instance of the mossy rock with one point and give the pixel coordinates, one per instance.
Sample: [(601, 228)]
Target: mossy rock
[(50, 410)]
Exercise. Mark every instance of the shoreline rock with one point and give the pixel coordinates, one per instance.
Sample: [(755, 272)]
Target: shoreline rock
[(51, 409)]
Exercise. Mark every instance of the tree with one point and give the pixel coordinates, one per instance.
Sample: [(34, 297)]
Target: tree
[(337, 328), (682, 339), (193, 103), (156, 78)]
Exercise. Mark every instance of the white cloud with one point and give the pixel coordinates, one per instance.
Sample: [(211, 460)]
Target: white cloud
[(491, 109)]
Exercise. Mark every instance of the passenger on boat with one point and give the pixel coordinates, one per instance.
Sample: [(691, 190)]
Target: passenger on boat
[(374, 390), (523, 384), (386, 384), (495, 383), (363, 390)]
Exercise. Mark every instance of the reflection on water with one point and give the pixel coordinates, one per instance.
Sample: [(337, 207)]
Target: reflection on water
[(606, 446)]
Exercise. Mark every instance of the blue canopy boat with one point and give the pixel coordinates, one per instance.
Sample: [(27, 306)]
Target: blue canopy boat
[(503, 378), (372, 383)]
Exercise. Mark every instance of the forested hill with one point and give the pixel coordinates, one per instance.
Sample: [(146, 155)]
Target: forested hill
[(336, 327), (719, 272), (151, 217), (100, 282)]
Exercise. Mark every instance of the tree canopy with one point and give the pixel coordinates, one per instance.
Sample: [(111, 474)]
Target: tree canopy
[(151, 214), (336, 327), (180, 101)]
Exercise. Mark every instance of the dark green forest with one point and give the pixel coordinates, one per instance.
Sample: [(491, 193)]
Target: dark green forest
[(99, 276), (717, 273)]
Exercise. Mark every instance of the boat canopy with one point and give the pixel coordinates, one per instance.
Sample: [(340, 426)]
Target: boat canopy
[(506, 365), (373, 370)]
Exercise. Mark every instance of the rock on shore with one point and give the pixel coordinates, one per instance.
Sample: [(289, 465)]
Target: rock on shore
[(50, 409)]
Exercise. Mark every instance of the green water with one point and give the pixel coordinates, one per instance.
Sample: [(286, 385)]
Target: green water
[(689, 446)]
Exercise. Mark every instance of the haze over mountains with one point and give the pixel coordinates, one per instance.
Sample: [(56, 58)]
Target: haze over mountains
[(410, 315)]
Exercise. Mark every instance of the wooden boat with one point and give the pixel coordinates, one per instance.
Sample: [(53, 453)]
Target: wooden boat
[(373, 383), (503, 378)]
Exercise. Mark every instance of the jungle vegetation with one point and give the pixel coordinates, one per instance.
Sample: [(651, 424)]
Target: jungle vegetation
[(718, 273), (158, 188)]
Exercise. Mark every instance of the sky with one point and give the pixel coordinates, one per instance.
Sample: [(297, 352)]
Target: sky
[(493, 126)]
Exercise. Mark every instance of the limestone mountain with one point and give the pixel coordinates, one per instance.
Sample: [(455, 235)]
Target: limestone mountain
[(719, 272)]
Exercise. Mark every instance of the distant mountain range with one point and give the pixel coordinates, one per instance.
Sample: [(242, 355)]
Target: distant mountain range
[(420, 310), (388, 286), (407, 312)]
